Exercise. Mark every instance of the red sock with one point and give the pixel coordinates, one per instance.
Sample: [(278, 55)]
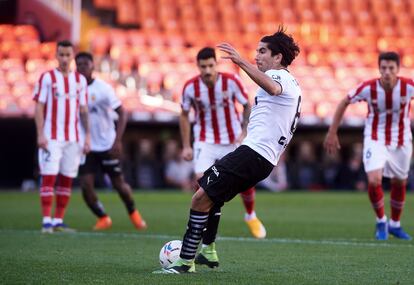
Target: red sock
[(248, 199), (63, 190), (376, 196), (46, 194), (397, 200)]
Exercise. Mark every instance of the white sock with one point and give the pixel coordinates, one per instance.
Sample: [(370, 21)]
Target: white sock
[(57, 221), (248, 217), (47, 220), (382, 220), (395, 224)]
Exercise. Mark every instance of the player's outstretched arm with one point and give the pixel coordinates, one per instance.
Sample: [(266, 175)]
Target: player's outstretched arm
[(84, 117), (256, 75), (185, 130), (39, 121), (331, 142)]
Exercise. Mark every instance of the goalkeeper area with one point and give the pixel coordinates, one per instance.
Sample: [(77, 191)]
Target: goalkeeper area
[(313, 238)]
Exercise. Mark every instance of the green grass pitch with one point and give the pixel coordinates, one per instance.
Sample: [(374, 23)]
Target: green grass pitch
[(313, 238)]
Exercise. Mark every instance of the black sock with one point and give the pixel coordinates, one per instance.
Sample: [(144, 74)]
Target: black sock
[(128, 201), (130, 205), (196, 224), (209, 235), (98, 209)]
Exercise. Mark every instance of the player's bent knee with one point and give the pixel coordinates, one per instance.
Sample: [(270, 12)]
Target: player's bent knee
[(375, 182), (200, 201)]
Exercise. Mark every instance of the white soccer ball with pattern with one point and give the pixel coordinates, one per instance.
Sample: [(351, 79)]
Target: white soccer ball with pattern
[(170, 252)]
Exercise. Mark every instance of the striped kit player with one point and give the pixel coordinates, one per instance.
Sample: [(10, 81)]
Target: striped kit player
[(61, 106), (387, 139)]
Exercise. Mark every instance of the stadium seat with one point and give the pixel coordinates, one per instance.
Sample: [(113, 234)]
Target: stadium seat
[(26, 33), (105, 4), (126, 12), (48, 50), (7, 33)]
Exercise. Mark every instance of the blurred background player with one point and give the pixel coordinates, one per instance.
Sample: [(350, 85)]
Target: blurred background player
[(106, 146), (387, 139), (61, 102), (271, 126), (218, 129)]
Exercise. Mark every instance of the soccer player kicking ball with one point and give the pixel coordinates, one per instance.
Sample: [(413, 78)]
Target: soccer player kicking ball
[(61, 104), (217, 129), (106, 146), (387, 139), (273, 120)]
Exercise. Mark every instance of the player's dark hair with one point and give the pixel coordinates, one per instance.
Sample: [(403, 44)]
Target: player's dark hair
[(64, 43), (206, 53), (280, 42), (84, 54), (389, 55)]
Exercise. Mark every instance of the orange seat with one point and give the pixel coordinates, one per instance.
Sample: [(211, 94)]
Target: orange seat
[(99, 41), (48, 50), (35, 64), (126, 12), (105, 4), (25, 33), (7, 33)]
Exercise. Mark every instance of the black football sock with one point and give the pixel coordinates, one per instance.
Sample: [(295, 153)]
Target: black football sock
[(209, 235), (196, 224)]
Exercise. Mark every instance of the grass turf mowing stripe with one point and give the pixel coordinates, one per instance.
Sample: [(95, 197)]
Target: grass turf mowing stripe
[(353, 242)]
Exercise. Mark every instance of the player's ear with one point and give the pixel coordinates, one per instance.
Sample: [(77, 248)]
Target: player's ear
[(278, 58)]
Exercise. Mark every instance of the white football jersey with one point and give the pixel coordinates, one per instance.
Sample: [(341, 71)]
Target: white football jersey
[(102, 101), (273, 119)]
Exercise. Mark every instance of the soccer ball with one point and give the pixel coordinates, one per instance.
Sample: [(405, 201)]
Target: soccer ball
[(170, 252)]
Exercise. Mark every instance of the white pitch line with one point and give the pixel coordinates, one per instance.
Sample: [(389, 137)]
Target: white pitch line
[(353, 242)]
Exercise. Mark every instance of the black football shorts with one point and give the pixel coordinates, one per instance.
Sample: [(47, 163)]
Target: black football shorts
[(234, 173), (103, 160)]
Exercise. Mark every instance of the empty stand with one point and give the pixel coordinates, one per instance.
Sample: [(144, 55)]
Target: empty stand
[(339, 39)]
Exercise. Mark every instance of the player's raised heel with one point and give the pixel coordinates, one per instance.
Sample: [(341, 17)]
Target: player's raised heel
[(256, 227), (398, 232), (178, 267), (103, 223), (208, 256), (381, 231)]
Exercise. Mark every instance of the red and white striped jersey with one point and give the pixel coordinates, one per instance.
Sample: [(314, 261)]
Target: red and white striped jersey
[(217, 119), (62, 96), (388, 119)]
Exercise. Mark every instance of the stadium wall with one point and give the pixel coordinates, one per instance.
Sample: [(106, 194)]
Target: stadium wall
[(18, 152)]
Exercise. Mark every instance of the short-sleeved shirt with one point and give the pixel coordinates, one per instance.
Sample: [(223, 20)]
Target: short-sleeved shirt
[(273, 119), (62, 96), (217, 118), (102, 102), (388, 119)]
